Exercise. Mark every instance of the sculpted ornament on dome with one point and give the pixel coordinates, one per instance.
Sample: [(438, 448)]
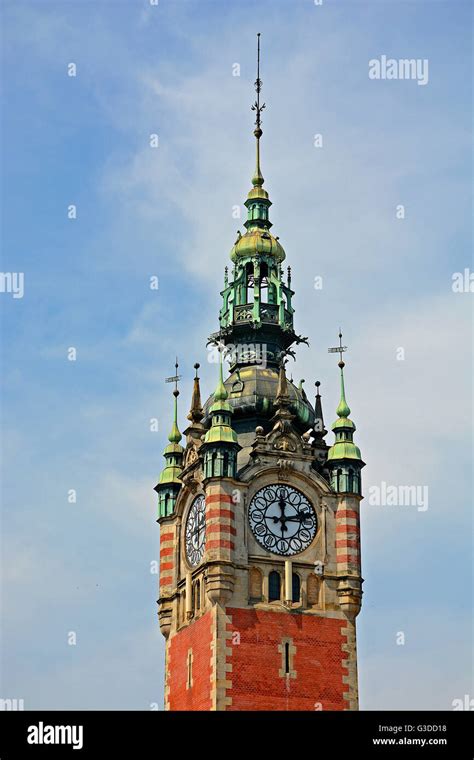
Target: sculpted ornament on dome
[(284, 444), (243, 314), (191, 456), (285, 466), (191, 485)]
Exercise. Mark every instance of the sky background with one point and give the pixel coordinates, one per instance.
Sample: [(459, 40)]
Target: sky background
[(84, 567)]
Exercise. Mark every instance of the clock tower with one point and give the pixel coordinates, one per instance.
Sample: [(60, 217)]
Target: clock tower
[(260, 578)]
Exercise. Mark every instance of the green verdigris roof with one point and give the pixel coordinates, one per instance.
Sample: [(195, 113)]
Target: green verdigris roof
[(257, 241), (343, 423), (344, 450), (221, 434), (170, 474)]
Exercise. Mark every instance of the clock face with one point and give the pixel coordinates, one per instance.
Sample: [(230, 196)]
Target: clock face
[(195, 533), (282, 519)]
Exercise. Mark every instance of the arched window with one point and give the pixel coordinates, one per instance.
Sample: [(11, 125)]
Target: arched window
[(339, 480), (231, 464), (226, 472), (274, 586), (295, 588), (351, 480), (255, 584), (249, 282), (264, 283)]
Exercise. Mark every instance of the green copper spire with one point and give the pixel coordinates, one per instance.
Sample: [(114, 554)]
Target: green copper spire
[(344, 457), (220, 394), (221, 429), (256, 301), (343, 409), (220, 445), (257, 201)]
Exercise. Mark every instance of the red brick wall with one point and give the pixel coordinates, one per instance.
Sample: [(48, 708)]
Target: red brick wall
[(256, 661), (198, 637)]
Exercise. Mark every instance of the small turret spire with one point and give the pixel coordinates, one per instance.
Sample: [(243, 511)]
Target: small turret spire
[(175, 435), (220, 394), (169, 483), (343, 409), (319, 430), (221, 439), (344, 458), (196, 412), (282, 388), (282, 417)]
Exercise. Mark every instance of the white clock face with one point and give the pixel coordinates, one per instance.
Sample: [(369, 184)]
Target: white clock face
[(282, 519), (195, 532)]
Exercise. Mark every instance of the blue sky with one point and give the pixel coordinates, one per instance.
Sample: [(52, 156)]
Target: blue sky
[(167, 212)]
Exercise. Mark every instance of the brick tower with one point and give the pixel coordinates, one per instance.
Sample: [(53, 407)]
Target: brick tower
[(260, 580)]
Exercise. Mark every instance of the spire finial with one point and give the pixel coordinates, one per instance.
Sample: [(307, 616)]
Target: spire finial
[(258, 86), (343, 408), (175, 435), (176, 378), (257, 179)]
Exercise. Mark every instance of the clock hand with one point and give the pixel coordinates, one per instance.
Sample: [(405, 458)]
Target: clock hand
[(196, 534), (302, 516), (283, 518)]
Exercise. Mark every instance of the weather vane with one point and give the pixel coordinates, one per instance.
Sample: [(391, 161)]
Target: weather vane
[(339, 349), (258, 86), (174, 379)]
